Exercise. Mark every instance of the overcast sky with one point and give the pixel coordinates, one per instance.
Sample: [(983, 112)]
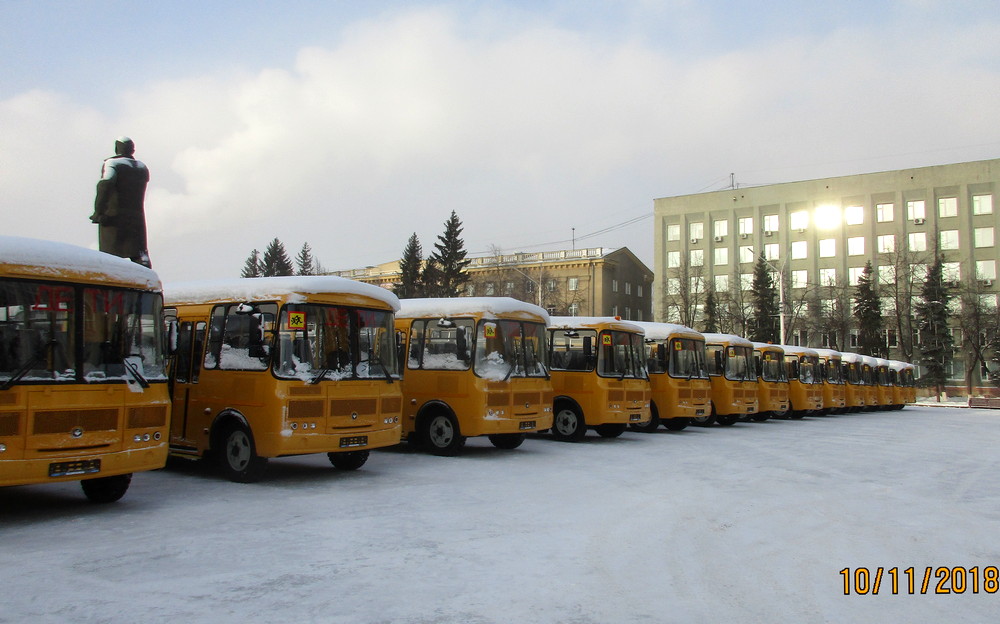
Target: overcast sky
[(351, 125)]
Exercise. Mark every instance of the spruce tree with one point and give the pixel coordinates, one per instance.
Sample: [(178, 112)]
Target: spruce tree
[(304, 261), (711, 313), (936, 343), (409, 267), (449, 256), (868, 312), (764, 301), (252, 268), (431, 279), (276, 260)]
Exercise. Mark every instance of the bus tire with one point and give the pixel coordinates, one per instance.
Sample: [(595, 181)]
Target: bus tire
[(727, 421), (238, 456), (348, 460), (610, 430), (797, 414), (760, 416), (568, 424), (106, 489), (676, 424), (507, 440), (650, 425), (707, 420), (441, 435)]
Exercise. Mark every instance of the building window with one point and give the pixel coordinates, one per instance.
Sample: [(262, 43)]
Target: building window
[(697, 230), (800, 250), (697, 257), (890, 338), (986, 269), (949, 239), (883, 213), (673, 259), (854, 215), (674, 232), (854, 338), (951, 271), (574, 309), (746, 281), (614, 286), (854, 274), (982, 204), (886, 274), (721, 283), (886, 243), (490, 289), (746, 254), (771, 251), (828, 277), (800, 279), (673, 286), (574, 283), (828, 248), (770, 223), (984, 237), (918, 271), (470, 290), (638, 290), (856, 246), (745, 225), (628, 313), (696, 285), (798, 220), (508, 289), (721, 228), (948, 207), (915, 209), (614, 311), (628, 288), (721, 255), (551, 285), (917, 241)]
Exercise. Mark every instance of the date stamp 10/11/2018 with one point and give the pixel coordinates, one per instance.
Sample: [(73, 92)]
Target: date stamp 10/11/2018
[(928, 580)]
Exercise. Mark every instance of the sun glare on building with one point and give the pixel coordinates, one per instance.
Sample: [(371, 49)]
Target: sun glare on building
[(827, 217)]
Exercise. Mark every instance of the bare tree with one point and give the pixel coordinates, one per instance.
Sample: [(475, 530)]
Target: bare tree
[(980, 327)]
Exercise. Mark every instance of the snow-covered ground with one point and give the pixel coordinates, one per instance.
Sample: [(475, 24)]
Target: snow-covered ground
[(752, 523)]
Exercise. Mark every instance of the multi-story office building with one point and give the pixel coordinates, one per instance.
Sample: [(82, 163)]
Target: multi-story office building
[(819, 234), (577, 282)]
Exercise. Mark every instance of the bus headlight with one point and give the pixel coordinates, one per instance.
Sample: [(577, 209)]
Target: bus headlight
[(3, 447)]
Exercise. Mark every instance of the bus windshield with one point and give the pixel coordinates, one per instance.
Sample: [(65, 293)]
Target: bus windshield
[(833, 372), (507, 349), (573, 349), (71, 334), (687, 359), (807, 369), (770, 367), (317, 341), (621, 355)]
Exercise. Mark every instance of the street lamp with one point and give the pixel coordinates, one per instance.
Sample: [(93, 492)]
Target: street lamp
[(538, 285), (781, 298)]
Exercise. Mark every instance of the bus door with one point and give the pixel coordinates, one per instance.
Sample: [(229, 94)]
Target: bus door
[(184, 375)]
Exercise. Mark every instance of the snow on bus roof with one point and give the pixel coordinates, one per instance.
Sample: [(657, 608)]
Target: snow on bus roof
[(662, 331), (769, 345), (793, 350), (569, 322), (51, 259), (263, 288), (730, 338), (827, 353), (490, 307)]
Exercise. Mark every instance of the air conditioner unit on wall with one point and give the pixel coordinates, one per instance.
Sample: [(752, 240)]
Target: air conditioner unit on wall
[(919, 221), (744, 235), (718, 239), (987, 282), (768, 233), (694, 240)]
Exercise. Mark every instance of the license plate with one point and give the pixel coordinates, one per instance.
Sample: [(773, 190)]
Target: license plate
[(82, 466), (634, 417), (354, 441), (527, 424), (700, 412)]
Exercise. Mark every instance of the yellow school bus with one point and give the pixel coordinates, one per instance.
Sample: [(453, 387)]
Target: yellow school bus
[(805, 388), (868, 366), (598, 376), (734, 385), (276, 366), (883, 384), (83, 384), (772, 381), (904, 389), (854, 385), (678, 376), (474, 366), (830, 371)]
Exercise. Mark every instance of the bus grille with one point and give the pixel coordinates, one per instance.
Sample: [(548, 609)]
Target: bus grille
[(346, 407), (150, 416), (497, 399), (635, 395), (63, 421), (10, 424), (527, 398), (616, 395), (305, 409), (392, 405)]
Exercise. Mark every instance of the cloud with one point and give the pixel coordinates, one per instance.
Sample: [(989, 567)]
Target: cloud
[(525, 132)]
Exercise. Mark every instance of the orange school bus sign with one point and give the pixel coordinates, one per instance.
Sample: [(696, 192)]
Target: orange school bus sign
[(296, 320)]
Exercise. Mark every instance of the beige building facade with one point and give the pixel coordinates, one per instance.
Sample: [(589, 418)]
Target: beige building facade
[(817, 235), (571, 282)]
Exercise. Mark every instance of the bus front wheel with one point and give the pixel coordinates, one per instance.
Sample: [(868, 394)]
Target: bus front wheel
[(239, 459), (727, 421), (648, 426), (106, 489), (441, 435), (349, 460), (610, 430), (676, 424), (507, 440), (568, 424)]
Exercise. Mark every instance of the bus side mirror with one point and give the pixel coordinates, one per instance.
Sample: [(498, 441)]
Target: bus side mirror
[(661, 352), (588, 346), (718, 362), (171, 335)]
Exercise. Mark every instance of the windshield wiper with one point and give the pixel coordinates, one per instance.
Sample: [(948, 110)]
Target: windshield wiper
[(134, 371), (385, 369), (319, 377), (30, 364)]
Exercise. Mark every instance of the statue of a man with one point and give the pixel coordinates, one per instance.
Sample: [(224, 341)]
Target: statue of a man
[(118, 209)]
